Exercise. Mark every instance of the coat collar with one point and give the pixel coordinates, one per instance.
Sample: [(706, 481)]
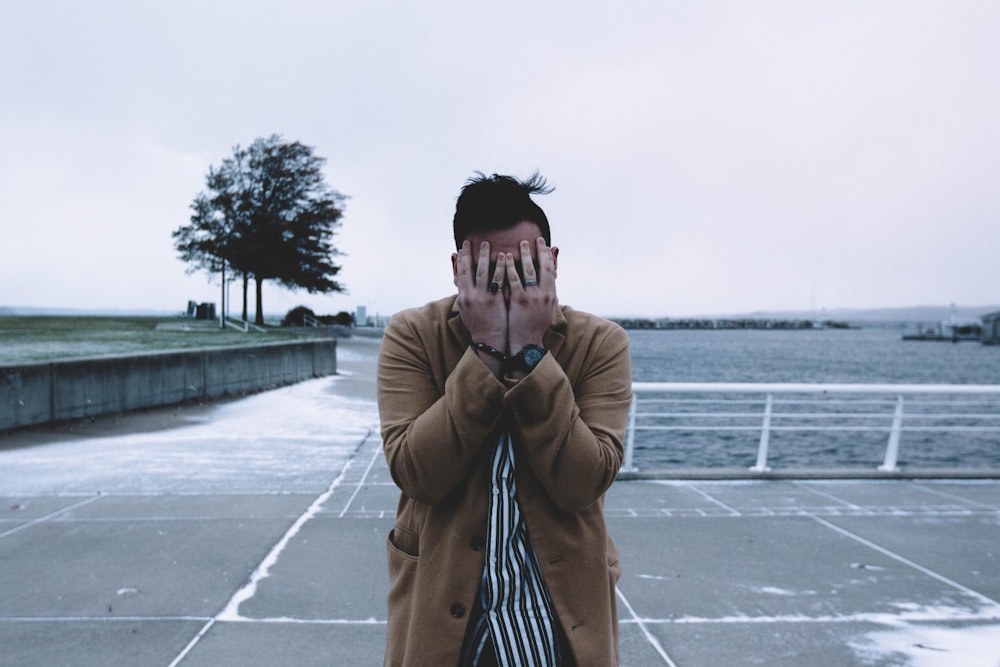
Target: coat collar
[(554, 338)]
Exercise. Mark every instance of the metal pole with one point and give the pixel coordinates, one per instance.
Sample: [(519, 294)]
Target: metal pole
[(892, 449), (765, 436), (630, 436)]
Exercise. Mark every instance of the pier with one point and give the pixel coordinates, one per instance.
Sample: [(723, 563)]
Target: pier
[(252, 532)]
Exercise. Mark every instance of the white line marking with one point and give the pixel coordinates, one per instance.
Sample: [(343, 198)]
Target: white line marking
[(714, 500), (931, 615), (809, 488), (231, 611), (906, 561), (167, 519), (100, 619), (49, 516), (879, 618), (191, 644), (779, 512), (311, 621), (961, 499), (361, 482), (654, 642)]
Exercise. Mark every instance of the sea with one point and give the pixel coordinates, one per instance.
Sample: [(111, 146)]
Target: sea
[(873, 354)]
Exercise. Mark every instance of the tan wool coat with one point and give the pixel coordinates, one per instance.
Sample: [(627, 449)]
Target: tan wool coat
[(441, 412)]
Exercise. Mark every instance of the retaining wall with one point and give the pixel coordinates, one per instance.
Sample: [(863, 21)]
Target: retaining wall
[(48, 392)]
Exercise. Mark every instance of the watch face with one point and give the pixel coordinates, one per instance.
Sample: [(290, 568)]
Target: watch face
[(532, 354)]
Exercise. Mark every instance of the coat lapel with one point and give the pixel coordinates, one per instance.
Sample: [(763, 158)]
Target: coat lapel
[(458, 330), (556, 335)]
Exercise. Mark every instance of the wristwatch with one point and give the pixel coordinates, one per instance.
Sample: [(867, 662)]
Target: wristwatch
[(528, 357)]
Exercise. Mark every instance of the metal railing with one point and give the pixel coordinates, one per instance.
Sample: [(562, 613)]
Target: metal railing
[(243, 325), (889, 408)]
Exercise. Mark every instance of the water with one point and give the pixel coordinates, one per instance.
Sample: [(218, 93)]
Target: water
[(870, 355)]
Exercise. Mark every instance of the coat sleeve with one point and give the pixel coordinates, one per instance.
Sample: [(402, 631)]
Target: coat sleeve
[(572, 436), (432, 437)]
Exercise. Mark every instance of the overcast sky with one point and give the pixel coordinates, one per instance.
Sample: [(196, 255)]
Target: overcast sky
[(708, 157)]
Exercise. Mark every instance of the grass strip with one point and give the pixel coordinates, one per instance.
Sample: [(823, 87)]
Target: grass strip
[(42, 338)]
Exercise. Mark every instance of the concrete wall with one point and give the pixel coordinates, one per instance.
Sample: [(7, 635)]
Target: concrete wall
[(47, 392)]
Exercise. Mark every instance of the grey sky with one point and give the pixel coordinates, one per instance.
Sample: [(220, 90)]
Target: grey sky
[(709, 157)]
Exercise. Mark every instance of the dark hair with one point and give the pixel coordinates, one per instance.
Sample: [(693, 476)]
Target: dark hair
[(488, 203)]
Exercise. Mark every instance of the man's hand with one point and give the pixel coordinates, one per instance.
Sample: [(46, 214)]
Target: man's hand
[(531, 305), (482, 310)]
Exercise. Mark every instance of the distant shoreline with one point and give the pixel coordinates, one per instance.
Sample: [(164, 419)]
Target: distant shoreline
[(854, 316), (806, 321), (902, 314), (730, 324)]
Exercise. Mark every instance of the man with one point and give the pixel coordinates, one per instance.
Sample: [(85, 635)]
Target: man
[(503, 415)]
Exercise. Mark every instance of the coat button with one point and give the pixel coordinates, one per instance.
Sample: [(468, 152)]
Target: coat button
[(477, 544), (458, 610)]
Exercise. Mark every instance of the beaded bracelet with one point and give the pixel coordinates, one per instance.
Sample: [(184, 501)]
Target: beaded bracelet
[(492, 351)]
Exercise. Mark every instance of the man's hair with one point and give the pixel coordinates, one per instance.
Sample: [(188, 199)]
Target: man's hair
[(489, 203)]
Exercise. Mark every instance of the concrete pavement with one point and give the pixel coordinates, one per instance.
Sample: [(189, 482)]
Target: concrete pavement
[(716, 573)]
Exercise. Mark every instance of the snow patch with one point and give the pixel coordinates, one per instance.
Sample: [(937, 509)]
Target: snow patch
[(784, 592), (932, 646)]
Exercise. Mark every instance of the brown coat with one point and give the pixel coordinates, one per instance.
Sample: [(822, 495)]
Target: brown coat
[(441, 411)]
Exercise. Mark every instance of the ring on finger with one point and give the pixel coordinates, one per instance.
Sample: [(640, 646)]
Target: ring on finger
[(494, 287), (530, 283)]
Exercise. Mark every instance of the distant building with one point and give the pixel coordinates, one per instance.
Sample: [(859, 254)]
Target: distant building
[(991, 329), (201, 311)]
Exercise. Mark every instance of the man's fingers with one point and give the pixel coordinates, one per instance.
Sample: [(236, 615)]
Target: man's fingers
[(512, 278), (498, 274), (545, 263), (483, 267), (464, 265), (528, 265)]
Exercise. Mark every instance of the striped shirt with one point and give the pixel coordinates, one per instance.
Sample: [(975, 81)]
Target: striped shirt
[(516, 608)]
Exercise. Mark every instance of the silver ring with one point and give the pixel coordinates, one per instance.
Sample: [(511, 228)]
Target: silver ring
[(531, 283), (494, 287)]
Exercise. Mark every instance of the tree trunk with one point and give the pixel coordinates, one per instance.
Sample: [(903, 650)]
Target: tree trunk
[(260, 303), (246, 282), (222, 300)]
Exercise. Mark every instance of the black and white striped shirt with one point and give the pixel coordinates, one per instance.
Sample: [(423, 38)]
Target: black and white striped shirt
[(516, 608)]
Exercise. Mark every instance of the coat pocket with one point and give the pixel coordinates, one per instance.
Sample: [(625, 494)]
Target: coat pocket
[(402, 603), (406, 543)]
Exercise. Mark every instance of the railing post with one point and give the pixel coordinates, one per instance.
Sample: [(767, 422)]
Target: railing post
[(630, 437), (765, 437), (892, 449)]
